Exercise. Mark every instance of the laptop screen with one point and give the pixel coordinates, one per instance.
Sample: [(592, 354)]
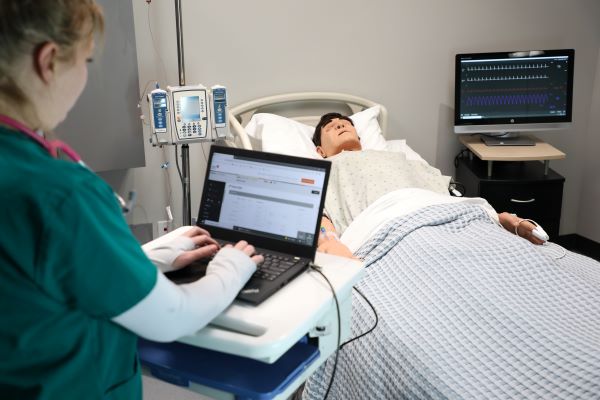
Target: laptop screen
[(264, 195)]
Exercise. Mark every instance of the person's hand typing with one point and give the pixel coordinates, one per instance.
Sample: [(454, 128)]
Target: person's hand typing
[(249, 250), (204, 246), (177, 252)]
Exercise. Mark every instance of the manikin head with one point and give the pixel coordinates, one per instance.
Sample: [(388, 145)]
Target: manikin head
[(335, 133)]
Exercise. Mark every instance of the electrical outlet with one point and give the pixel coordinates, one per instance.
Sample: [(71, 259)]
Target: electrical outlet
[(162, 227)]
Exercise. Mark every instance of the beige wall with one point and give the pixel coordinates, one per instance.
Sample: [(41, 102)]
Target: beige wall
[(397, 52)]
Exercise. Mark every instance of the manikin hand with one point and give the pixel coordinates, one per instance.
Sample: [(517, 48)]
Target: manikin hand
[(329, 242), (334, 246), (510, 222)]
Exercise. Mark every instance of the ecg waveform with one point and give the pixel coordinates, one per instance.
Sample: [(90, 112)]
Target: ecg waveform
[(507, 67), (512, 90), (514, 99), (507, 78)]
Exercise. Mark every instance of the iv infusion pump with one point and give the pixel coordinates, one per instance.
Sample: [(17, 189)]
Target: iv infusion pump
[(187, 114), (219, 110), (190, 112), (159, 119)]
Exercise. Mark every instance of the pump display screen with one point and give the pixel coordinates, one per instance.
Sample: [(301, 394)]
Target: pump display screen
[(190, 109), (159, 103)]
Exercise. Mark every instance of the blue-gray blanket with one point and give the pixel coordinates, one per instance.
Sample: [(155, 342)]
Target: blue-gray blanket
[(468, 310)]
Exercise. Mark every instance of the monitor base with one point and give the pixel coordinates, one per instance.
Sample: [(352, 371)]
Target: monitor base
[(507, 141)]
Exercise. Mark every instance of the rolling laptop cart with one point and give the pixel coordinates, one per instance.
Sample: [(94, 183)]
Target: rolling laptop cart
[(267, 351)]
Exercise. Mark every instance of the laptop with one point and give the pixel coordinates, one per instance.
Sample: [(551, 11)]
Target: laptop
[(274, 202)]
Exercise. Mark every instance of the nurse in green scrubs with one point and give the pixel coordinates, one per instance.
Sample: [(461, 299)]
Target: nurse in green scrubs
[(75, 287)]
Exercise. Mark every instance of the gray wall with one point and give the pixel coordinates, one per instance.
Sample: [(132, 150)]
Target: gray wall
[(589, 210), (397, 52), (107, 109)]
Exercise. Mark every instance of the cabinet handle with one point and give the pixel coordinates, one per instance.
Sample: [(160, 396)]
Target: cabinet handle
[(522, 201)]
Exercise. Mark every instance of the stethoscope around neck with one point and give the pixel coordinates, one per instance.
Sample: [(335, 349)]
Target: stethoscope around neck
[(56, 147)]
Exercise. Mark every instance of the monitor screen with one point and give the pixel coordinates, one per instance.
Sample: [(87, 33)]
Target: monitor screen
[(513, 91)]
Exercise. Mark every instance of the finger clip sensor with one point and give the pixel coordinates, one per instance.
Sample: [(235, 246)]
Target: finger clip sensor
[(537, 232)]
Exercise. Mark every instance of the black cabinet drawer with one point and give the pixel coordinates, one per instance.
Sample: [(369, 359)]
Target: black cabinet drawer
[(550, 225), (521, 188), (534, 200)]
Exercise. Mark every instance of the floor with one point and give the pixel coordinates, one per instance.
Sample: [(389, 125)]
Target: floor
[(580, 244), (155, 389)]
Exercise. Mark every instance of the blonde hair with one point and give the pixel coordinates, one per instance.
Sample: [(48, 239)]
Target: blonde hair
[(27, 24)]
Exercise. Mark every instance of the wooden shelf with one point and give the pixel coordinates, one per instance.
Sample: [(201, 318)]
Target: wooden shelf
[(540, 151)]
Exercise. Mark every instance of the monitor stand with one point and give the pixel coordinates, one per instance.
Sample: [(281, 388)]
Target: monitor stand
[(506, 140)]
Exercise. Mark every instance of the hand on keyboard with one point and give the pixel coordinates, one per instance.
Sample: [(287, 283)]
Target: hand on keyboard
[(274, 265), (205, 246), (249, 250)]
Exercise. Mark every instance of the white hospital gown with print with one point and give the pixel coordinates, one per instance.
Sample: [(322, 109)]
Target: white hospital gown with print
[(358, 178)]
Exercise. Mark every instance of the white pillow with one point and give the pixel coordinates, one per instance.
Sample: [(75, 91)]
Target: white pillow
[(368, 129), (284, 135)]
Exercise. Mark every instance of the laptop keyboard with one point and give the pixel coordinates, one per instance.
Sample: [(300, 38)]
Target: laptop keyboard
[(274, 265)]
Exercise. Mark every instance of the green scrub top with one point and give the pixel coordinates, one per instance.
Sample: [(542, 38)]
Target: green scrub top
[(68, 264)]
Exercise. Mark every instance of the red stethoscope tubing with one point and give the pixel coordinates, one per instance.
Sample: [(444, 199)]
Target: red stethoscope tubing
[(51, 147)]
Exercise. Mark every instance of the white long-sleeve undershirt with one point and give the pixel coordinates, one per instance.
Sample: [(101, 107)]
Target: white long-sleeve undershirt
[(171, 311)]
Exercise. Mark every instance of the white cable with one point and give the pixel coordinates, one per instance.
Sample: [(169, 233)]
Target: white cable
[(546, 243), (564, 251), (162, 63), (522, 220)]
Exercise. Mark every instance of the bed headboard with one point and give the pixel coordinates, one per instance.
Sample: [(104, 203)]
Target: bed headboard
[(305, 107)]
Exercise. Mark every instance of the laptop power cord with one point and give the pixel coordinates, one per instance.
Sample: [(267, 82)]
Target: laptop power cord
[(371, 329), (340, 345), (319, 270)]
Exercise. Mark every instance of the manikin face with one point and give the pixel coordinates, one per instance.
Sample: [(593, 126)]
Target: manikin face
[(336, 136)]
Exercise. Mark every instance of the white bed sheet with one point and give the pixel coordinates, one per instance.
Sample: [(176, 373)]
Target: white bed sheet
[(396, 204)]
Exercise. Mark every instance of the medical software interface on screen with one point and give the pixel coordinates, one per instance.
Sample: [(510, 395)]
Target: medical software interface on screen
[(514, 87), (269, 199)]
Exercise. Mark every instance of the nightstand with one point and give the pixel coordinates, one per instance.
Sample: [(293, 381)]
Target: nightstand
[(529, 188)]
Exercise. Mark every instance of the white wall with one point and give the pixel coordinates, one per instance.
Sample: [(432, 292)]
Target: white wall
[(397, 52), (589, 211)]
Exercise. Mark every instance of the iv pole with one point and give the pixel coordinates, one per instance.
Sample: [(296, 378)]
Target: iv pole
[(185, 149)]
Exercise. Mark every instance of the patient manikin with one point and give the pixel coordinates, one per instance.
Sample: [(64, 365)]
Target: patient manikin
[(335, 135)]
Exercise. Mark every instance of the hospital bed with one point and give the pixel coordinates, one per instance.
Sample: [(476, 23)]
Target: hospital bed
[(464, 308)]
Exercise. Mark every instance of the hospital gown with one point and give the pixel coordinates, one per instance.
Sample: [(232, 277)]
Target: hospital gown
[(358, 178)]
